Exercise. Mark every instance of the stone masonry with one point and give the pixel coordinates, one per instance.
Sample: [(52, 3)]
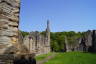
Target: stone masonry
[(38, 43), (9, 21), (87, 43)]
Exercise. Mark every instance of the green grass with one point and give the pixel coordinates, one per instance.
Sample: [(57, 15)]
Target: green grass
[(73, 58), (43, 56)]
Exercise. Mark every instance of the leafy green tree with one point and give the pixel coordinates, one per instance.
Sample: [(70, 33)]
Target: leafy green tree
[(24, 33), (58, 39)]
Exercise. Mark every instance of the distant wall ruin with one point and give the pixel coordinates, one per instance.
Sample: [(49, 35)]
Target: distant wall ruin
[(38, 43), (87, 43)]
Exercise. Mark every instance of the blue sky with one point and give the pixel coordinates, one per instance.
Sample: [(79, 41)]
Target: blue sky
[(64, 15)]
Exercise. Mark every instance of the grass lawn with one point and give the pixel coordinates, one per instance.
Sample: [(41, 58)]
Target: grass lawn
[(43, 56), (73, 58)]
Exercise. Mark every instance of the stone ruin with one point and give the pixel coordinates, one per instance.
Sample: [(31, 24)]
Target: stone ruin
[(9, 21), (38, 43), (87, 43), (11, 40)]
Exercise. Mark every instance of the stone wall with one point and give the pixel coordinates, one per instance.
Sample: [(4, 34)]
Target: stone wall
[(9, 21), (38, 43), (87, 43)]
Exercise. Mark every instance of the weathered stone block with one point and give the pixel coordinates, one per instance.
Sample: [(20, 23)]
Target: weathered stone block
[(5, 8), (8, 33), (5, 40), (13, 24)]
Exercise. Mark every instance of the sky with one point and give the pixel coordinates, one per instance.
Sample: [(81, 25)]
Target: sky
[(64, 15)]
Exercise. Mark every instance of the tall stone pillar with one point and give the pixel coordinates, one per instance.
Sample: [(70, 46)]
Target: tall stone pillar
[(9, 21), (67, 45), (47, 38)]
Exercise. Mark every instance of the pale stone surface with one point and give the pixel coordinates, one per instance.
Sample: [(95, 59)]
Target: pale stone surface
[(5, 8), (13, 24), (9, 19), (8, 33), (37, 43), (5, 40)]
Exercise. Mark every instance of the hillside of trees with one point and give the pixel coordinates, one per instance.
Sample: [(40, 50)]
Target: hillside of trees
[(58, 39)]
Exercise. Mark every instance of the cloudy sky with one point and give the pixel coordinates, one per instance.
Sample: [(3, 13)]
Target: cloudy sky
[(64, 15)]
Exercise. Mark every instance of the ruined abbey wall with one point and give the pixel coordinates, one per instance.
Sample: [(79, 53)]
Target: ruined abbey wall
[(87, 43), (38, 43), (9, 21)]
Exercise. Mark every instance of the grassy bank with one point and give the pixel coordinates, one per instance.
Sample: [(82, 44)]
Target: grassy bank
[(73, 58)]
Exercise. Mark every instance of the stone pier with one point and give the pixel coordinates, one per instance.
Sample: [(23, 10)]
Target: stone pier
[(9, 21)]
